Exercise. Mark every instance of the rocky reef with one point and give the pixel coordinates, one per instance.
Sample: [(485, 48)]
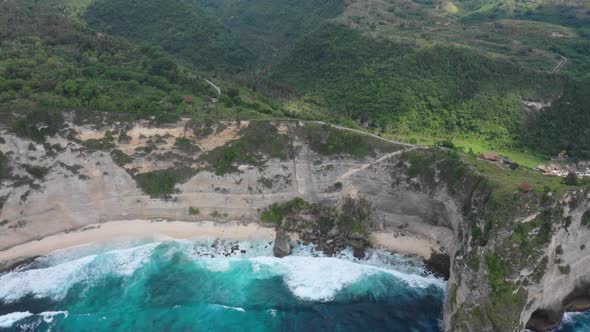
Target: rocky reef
[(513, 259)]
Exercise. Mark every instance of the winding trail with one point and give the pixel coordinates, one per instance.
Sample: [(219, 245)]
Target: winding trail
[(562, 62), (217, 89), (366, 133), (349, 173), (353, 171)]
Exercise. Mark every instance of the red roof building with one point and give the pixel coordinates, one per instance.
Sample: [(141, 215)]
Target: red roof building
[(526, 187), (491, 156)]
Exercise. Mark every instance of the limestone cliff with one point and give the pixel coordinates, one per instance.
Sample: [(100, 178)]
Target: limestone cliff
[(509, 250)]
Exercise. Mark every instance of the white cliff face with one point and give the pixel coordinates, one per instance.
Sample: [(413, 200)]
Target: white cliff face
[(564, 284), (84, 187)]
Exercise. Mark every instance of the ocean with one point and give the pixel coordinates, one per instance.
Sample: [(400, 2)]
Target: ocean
[(142, 285), (575, 322), (227, 286)]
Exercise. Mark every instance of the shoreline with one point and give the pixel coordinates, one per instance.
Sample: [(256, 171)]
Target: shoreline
[(405, 244), (126, 229), (166, 230)]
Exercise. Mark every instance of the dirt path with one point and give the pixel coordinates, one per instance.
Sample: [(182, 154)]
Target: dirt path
[(217, 89), (562, 62), (367, 134), (353, 171)]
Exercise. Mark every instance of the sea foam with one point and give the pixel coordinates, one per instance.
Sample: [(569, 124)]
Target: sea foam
[(321, 278), (48, 316), (9, 319), (54, 281), (308, 274)]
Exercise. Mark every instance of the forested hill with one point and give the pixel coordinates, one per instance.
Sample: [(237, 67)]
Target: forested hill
[(179, 27), (419, 70), (51, 62), (267, 27)]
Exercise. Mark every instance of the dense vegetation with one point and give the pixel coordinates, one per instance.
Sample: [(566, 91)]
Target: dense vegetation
[(387, 70), (275, 213), (328, 141), (566, 125), (49, 62), (434, 91), (266, 27), (180, 27)]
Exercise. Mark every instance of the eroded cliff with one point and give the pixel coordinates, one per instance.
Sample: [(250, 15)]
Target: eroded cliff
[(508, 249)]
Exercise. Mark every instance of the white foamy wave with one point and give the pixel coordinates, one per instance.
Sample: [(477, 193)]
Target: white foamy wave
[(230, 308), (9, 319), (50, 282), (55, 281), (48, 316), (374, 257), (570, 317), (217, 264), (321, 278), (125, 262)]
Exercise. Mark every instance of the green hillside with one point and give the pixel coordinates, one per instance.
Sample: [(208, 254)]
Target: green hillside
[(179, 27), (266, 27), (463, 73), (49, 62), (426, 70)]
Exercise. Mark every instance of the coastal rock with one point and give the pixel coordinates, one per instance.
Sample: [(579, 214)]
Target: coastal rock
[(439, 264), (282, 246)]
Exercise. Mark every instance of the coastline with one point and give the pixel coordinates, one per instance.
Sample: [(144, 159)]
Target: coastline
[(405, 244), (165, 230), (109, 231)]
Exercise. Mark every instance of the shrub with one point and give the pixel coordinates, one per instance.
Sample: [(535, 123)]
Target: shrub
[(158, 183), (193, 211), (37, 172), (276, 212), (120, 158), (564, 269), (571, 179), (445, 144)]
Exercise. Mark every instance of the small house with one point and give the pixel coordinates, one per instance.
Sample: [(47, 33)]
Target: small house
[(491, 156)]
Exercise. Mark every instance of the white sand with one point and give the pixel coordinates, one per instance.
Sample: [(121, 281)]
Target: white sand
[(137, 228), (162, 230), (405, 244)]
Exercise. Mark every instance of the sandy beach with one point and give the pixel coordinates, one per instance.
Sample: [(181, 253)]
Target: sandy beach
[(408, 244), (162, 230), (135, 229)]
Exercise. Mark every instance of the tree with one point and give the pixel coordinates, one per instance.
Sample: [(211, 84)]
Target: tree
[(571, 179), (68, 88)]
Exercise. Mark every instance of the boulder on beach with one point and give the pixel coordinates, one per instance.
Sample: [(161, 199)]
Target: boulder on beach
[(282, 246)]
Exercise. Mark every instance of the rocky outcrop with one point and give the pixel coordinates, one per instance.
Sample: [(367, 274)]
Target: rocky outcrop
[(282, 244)]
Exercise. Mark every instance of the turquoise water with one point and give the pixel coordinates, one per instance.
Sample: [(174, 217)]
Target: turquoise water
[(192, 286), (575, 322)]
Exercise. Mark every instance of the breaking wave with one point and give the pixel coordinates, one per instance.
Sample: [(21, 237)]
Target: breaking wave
[(176, 284)]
